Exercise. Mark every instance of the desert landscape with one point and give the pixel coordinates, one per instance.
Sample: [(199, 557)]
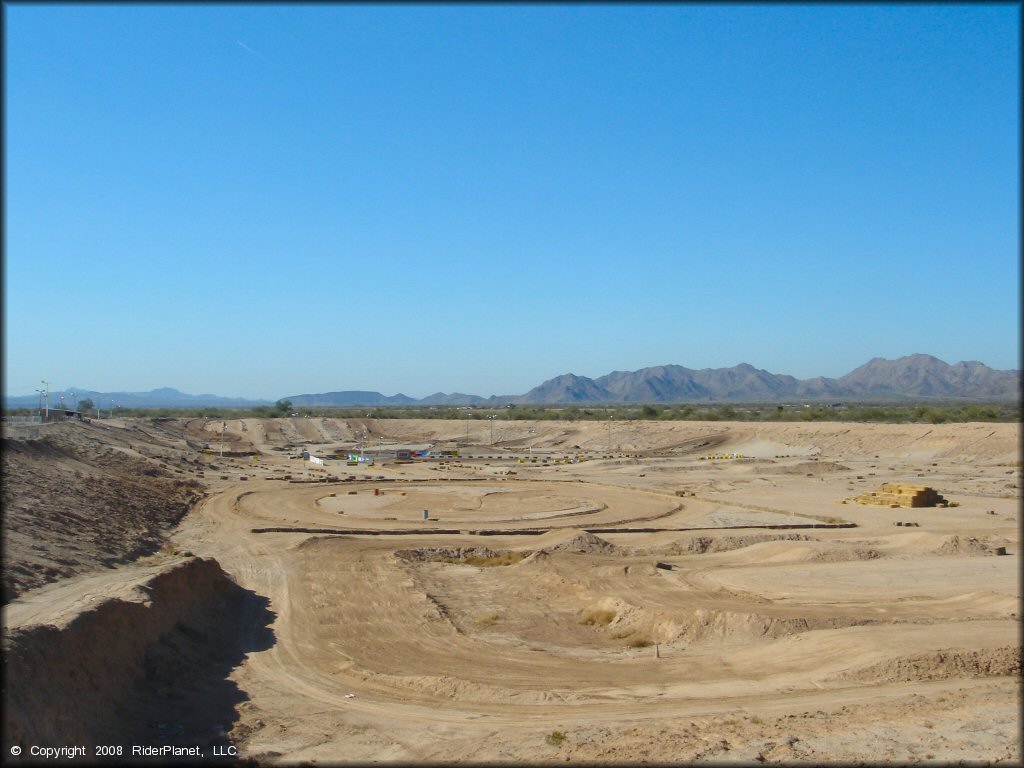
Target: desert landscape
[(642, 591), (512, 384)]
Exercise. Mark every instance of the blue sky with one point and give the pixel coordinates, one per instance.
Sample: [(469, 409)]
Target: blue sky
[(270, 200)]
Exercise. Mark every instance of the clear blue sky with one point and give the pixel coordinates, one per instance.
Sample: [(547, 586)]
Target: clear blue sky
[(271, 200)]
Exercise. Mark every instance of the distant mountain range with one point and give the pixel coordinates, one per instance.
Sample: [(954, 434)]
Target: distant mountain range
[(912, 377), (355, 397), (165, 397), (915, 377)]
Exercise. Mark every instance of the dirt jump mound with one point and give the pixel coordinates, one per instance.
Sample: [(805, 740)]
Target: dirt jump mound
[(585, 543)]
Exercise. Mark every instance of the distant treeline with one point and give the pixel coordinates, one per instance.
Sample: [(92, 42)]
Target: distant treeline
[(892, 413)]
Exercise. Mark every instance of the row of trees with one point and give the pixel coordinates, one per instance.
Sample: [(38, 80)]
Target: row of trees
[(87, 406), (936, 413)]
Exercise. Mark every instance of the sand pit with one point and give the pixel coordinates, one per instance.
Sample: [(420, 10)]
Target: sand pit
[(658, 606)]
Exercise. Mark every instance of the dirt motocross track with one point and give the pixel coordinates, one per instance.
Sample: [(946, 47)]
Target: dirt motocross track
[(671, 592)]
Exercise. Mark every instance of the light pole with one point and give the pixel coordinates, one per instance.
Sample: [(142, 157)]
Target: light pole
[(609, 434), (223, 426), (39, 411), (47, 400), (492, 417)]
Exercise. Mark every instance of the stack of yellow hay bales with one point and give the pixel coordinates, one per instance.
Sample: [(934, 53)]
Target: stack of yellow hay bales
[(899, 495)]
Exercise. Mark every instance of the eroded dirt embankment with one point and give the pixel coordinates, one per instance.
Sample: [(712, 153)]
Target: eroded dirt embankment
[(150, 667), (80, 498), (942, 665)]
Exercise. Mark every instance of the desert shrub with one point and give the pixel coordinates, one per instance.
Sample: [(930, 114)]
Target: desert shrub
[(812, 414), (981, 413), (595, 617), (639, 642), (555, 738)]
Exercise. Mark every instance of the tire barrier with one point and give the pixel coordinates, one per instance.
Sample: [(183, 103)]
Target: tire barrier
[(522, 531)]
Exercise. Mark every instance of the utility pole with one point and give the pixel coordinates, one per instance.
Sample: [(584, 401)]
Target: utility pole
[(609, 434), (492, 417), (223, 426), (47, 400)]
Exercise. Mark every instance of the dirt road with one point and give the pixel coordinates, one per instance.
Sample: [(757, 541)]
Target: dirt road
[(736, 612)]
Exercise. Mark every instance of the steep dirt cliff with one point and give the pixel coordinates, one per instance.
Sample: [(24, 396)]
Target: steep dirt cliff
[(149, 666)]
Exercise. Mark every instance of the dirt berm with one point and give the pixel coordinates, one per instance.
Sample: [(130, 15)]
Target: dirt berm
[(148, 668), (81, 499)]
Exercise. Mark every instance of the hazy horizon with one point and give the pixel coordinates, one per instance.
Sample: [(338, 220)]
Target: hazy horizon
[(74, 386), (254, 201)]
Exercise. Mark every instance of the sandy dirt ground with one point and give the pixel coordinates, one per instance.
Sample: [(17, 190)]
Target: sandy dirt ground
[(641, 591), (81, 497)]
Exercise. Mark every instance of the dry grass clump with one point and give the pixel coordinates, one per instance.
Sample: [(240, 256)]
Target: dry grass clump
[(486, 619), (596, 617), (639, 641), (555, 738)]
